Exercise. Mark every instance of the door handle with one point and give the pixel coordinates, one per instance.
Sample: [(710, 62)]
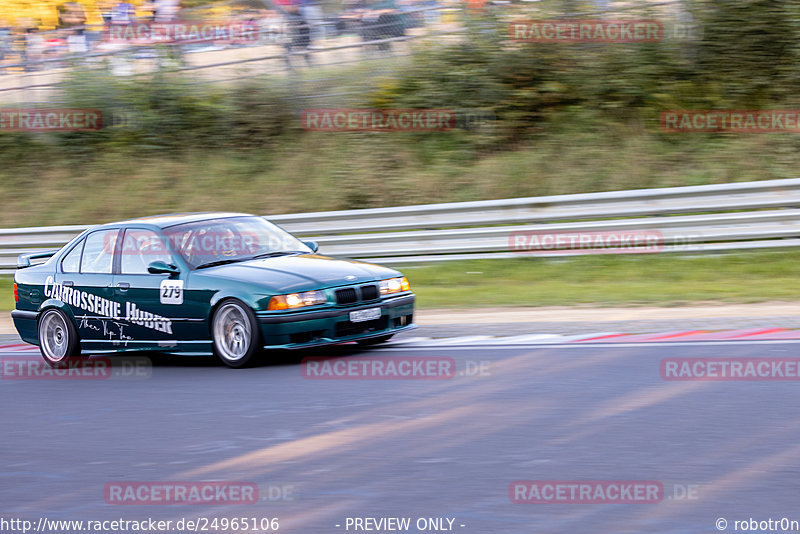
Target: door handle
[(124, 286), (67, 283)]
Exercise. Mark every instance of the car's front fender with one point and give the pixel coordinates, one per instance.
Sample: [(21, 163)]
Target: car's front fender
[(251, 299)]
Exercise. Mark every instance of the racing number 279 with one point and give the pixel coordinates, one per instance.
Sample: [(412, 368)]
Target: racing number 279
[(171, 292)]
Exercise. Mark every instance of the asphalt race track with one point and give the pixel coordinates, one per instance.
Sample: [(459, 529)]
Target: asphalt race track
[(323, 451)]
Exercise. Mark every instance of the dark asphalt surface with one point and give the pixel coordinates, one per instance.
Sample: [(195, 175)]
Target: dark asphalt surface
[(413, 448)]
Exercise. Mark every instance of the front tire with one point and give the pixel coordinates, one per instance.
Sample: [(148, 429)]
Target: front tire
[(58, 338), (235, 333)]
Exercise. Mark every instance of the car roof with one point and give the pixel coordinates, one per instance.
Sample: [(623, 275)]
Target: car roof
[(171, 219)]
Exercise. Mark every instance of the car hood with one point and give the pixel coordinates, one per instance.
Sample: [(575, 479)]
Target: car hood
[(299, 273)]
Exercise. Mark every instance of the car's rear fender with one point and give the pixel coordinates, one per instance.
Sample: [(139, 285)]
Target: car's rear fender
[(27, 321), (55, 303)]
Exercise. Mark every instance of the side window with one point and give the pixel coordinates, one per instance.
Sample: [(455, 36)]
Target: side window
[(98, 252), (140, 248), (72, 261)]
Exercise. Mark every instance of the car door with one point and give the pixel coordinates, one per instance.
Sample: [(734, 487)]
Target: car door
[(86, 284), (151, 302)]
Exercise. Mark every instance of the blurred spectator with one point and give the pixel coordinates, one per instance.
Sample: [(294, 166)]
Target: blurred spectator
[(348, 19), (376, 20), (382, 21), (105, 7), (299, 33), (313, 16), (34, 48), (270, 26), (72, 14), (5, 40), (54, 44), (123, 13), (76, 42), (166, 10), (148, 9), (18, 39)]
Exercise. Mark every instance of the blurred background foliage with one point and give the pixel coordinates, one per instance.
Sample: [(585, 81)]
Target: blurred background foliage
[(564, 118)]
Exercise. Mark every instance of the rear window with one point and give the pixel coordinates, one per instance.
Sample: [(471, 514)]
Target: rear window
[(72, 261), (98, 252)]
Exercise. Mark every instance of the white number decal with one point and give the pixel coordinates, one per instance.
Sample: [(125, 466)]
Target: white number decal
[(171, 292)]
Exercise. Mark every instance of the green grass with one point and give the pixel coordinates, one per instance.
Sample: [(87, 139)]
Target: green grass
[(608, 280), (6, 294), (337, 171), (597, 280)]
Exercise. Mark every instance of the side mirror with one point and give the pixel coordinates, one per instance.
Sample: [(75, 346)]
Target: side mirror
[(313, 245), (162, 267)]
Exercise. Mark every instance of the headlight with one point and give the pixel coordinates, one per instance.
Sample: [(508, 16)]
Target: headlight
[(394, 285), (296, 300)]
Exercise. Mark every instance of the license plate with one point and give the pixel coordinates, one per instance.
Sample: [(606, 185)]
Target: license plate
[(370, 314)]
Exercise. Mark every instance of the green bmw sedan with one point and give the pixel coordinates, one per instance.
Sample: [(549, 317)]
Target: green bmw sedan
[(198, 283)]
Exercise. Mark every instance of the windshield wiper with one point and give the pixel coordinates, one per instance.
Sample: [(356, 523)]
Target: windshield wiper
[(220, 262), (272, 254), (276, 253)]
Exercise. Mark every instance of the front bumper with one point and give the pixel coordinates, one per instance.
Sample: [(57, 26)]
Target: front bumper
[(301, 329)]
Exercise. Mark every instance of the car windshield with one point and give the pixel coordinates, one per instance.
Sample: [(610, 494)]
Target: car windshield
[(228, 240)]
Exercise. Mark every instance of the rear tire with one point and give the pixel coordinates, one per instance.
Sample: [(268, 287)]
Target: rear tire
[(58, 338), (235, 333)]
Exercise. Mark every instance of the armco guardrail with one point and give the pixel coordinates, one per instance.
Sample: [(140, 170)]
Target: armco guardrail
[(707, 218)]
